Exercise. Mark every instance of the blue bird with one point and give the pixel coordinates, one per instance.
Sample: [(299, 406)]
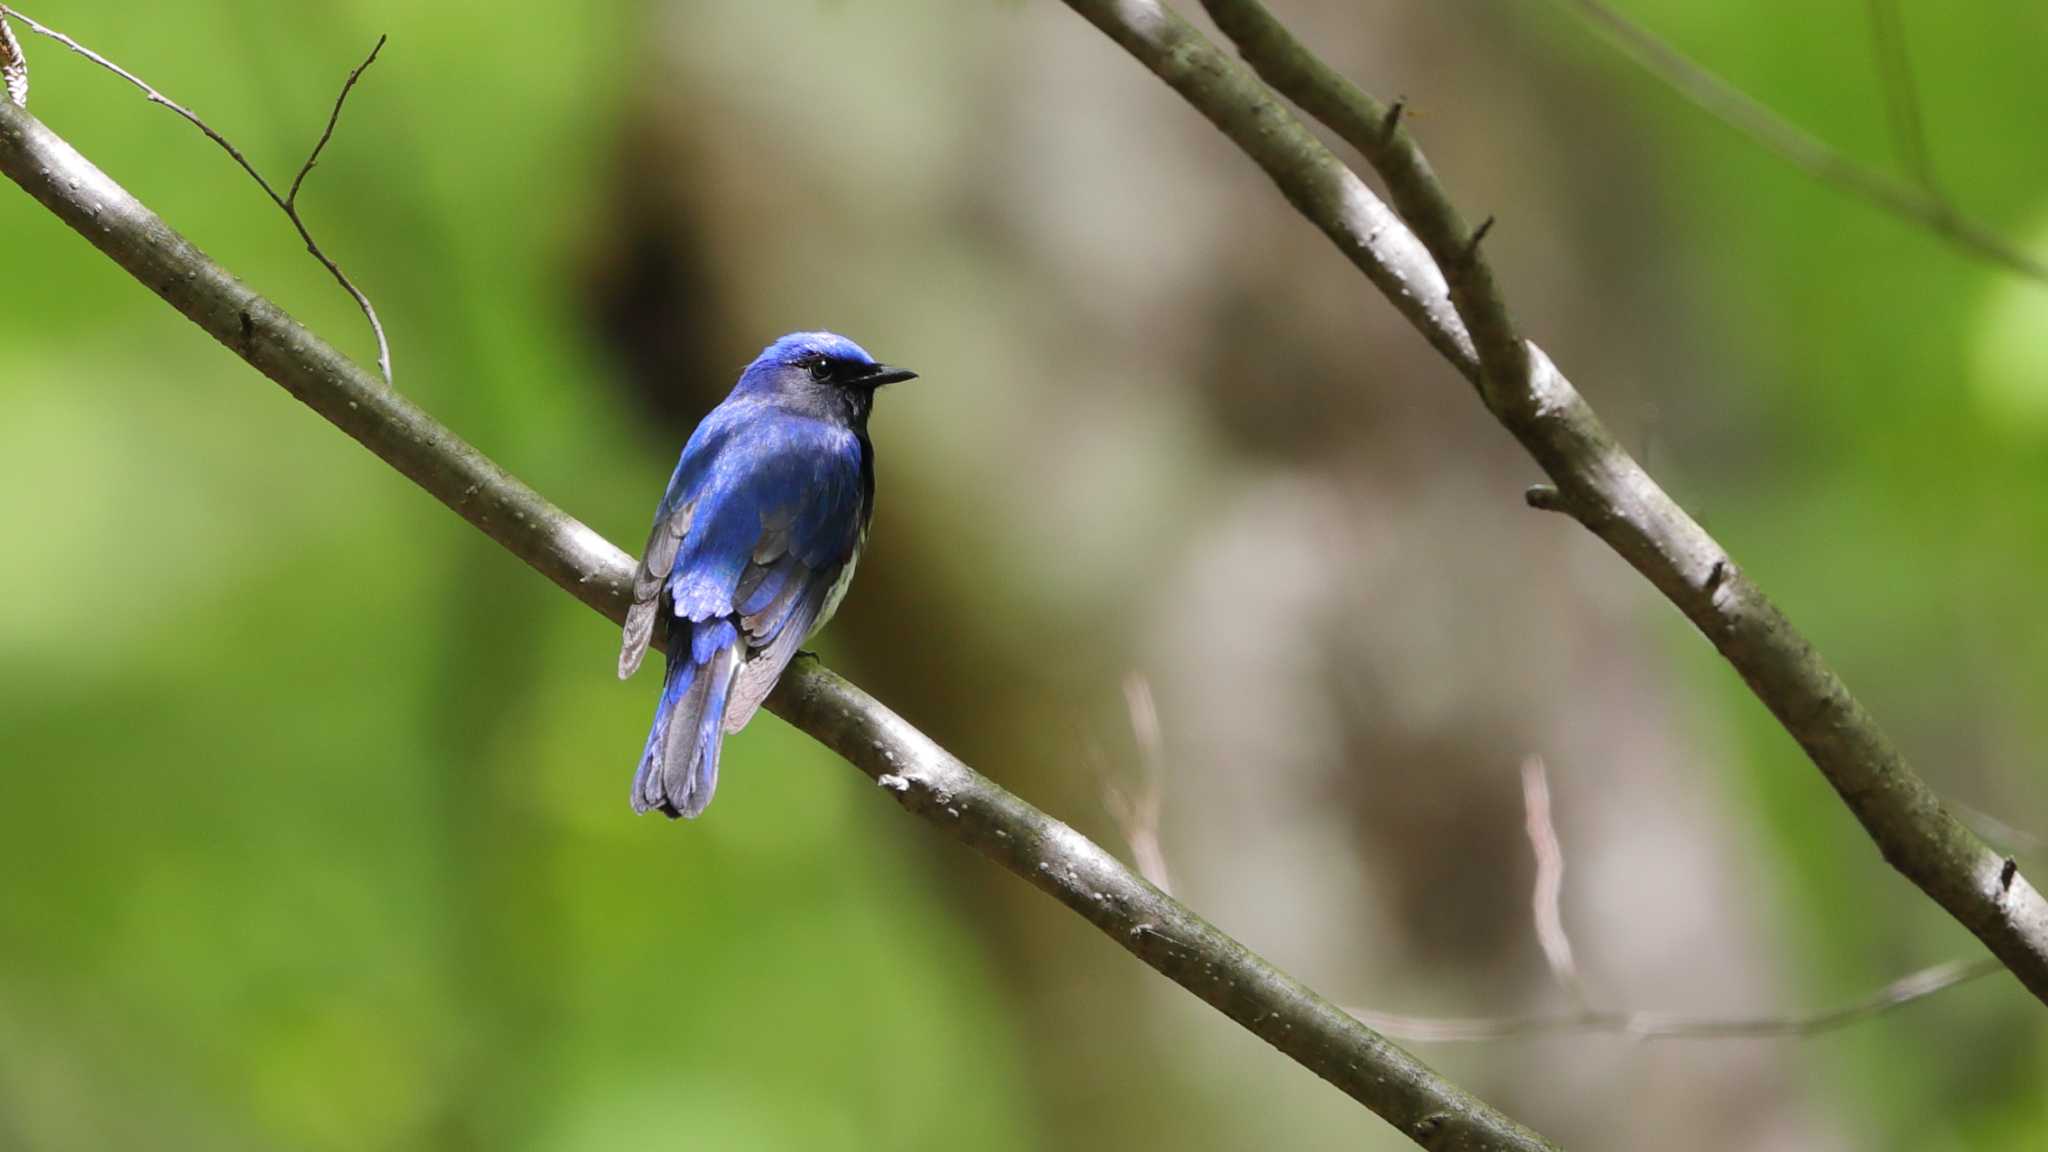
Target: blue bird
[(753, 546)]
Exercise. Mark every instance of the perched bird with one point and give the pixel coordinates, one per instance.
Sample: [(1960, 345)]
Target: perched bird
[(753, 546)]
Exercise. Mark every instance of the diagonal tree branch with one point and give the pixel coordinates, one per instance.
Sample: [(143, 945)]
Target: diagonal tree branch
[(923, 777), (1437, 277)]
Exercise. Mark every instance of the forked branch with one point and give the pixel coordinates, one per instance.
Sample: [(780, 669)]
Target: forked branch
[(1427, 265), (288, 203)]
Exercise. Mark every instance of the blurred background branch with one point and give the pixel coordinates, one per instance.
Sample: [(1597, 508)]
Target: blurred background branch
[(1919, 202), (1140, 829), (1547, 900), (1137, 808), (1902, 97), (1586, 1018), (920, 775), (1676, 1025)]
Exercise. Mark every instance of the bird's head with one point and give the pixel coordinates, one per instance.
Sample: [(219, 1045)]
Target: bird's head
[(822, 369)]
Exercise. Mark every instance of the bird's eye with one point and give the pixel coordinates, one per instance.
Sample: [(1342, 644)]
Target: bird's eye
[(821, 369)]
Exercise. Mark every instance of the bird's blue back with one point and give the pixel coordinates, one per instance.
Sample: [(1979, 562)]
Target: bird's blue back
[(750, 467), (764, 514)]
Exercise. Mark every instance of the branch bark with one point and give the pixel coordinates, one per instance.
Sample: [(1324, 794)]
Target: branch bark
[(1438, 278), (928, 781)]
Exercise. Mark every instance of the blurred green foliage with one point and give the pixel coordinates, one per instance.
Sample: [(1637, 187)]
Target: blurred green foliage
[(313, 800)]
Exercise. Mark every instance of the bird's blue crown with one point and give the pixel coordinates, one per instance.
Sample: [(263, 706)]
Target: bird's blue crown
[(802, 347)]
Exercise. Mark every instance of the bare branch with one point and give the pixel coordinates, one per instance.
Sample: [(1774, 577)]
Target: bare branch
[(1584, 1018), (1677, 1026), (915, 772), (1919, 205), (287, 204), (1456, 306)]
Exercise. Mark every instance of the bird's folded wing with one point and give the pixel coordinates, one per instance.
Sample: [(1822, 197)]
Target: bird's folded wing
[(648, 578), (758, 527), (776, 615)]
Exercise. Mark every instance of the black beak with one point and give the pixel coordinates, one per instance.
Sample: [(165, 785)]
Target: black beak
[(882, 374)]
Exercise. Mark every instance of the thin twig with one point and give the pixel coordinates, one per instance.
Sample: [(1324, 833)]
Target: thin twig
[(1547, 898), (1918, 204), (1677, 1026), (13, 64), (1138, 812), (1585, 1018), (291, 198), (288, 204), (1546, 901), (1902, 96)]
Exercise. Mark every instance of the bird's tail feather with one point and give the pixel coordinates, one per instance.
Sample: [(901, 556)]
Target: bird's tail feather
[(719, 676), (649, 792), (679, 767)]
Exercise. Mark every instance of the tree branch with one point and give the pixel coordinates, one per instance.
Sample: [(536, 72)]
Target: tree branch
[(922, 776), (1597, 481)]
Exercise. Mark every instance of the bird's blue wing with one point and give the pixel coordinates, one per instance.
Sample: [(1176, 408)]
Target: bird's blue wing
[(789, 599), (763, 516), (782, 489), (672, 519)]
